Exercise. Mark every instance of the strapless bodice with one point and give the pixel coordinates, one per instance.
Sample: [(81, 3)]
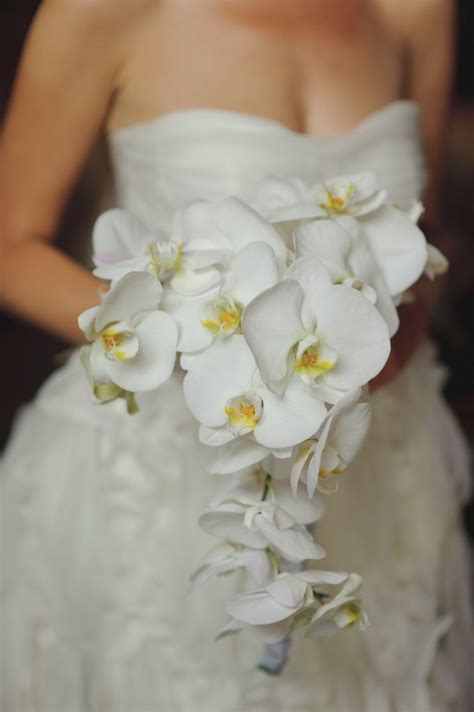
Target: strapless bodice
[(212, 153)]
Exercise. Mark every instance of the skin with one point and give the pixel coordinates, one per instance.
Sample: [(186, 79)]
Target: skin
[(317, 66)]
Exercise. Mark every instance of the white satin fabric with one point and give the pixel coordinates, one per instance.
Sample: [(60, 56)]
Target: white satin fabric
[(100, 508)]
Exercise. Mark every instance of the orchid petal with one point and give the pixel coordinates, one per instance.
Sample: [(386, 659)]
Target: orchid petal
[(136, 292), (157, 335), (351, 325), (295, 543), (319, 578), (117, 236), (226, 521), (218, 374), (291, 418), (253, 270), (301, 508), (398, 246), (118, 269), (215, 437), (189, 282), (98, 363), (258, 608), (305, 453), (237, 455), (327, 241), (193, 336), (242, 225), (86, 322), (272, 325), (288, 590), (352, 428)]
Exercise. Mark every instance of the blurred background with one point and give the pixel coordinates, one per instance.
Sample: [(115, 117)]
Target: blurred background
[(32, 355)]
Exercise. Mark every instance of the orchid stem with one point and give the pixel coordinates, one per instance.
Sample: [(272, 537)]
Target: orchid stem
[(132, 406), (266, 486)]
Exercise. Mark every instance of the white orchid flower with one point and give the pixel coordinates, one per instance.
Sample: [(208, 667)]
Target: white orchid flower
[(292, 199), (134, 345), (225, 393), (122, 244), (259, 526), (247, 488), (227, 557), (334, 446), (290, 539), (218, 313), (343, 611), (341, 247), (269, 612), (327, 334), (278, 521)]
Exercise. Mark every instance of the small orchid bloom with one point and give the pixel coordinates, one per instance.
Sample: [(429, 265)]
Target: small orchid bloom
[(225, 393), (269, 612), (292, 199), (354, 195), (122, 244), (259, 526), (281, 519), (334, 446), (283, 533), (247, 488), (134, 344), (327, 334), (341, 247), (343, 611), (218, 313), (227, 557), (227, 522)]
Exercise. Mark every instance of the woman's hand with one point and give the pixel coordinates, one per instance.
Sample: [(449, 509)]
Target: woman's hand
[(412, 332), (414, 321)]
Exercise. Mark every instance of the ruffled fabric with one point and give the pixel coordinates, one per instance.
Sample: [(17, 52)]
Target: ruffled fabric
[(100, 535)]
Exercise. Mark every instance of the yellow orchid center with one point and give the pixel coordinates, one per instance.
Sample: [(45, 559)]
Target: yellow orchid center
[(323, 472), (311, 363), (119, 341), (351, 613), (336, 201), (111, 341), (243, 413), (165, 258), (222, 315)]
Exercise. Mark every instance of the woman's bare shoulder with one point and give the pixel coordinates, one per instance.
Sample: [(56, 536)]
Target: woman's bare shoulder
[(410, 18), (92, 37), (99, 27)]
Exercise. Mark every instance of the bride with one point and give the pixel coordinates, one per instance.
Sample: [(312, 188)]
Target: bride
[(203, 99)]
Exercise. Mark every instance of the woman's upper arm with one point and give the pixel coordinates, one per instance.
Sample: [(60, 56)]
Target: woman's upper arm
[(425, 29), (431, 46), (61, 96)]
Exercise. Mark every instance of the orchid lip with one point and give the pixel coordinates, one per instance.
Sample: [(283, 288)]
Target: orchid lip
[(243, 413)]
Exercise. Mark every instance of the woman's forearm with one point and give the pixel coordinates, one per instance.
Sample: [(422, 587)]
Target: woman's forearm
[(41, 284)]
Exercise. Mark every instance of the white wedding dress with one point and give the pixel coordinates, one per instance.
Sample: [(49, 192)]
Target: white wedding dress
[(100, 508)]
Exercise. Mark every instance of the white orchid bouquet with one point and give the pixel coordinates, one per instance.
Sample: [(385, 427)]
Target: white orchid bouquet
[(281, 311)]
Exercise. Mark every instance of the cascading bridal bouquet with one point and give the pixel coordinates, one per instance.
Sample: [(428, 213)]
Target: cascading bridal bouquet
[(282, 311)]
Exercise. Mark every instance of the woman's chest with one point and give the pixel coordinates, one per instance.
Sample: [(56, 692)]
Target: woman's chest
[(313, 65)]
